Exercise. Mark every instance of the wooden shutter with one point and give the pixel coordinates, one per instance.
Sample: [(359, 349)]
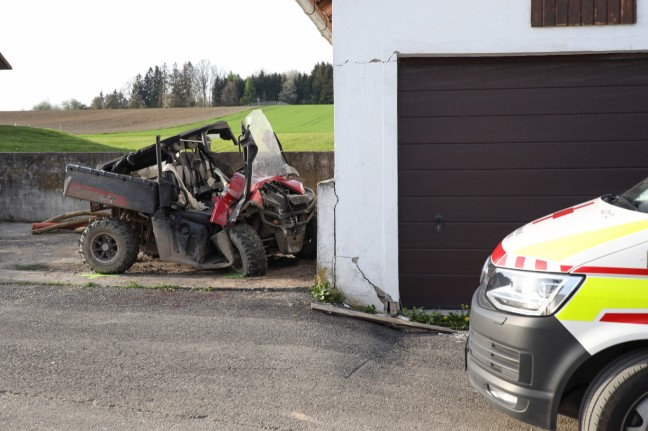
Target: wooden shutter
[(558, 13)]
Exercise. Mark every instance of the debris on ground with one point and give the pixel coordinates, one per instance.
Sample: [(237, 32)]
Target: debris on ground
[(378, 318), (74, 220)]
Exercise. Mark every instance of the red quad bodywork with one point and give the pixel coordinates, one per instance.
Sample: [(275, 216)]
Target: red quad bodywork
[(224, 205)]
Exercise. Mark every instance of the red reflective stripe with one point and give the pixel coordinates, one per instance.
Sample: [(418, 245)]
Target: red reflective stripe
[(498, 254), (563, 213), (565, 268), (637, 318), (519, 262), (541, 265), (611, 270)]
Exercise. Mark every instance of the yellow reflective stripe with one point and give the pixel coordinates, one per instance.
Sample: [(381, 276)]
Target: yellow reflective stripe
[(600, 293), (561, 248)]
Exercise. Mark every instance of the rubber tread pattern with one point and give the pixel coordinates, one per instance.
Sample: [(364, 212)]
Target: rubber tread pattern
[(250, 249), (608, 387), (127, 245)]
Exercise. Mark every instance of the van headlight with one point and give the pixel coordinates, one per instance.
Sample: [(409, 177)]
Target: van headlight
[(527, 292)]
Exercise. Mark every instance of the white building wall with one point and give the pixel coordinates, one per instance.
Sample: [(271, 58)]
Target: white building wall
[(368, 38)]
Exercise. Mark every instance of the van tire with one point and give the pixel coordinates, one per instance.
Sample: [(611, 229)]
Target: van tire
[(617, 399)]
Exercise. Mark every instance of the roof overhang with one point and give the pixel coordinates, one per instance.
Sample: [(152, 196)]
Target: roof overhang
[(321, 13), (4, 64)]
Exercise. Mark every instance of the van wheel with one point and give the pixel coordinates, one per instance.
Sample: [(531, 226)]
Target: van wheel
[(249, 254), (617, 399), (109, 246)]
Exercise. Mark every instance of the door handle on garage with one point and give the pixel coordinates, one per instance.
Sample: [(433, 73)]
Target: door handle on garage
[(438, 223)]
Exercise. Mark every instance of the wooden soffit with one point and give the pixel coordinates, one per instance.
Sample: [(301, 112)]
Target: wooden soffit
[(4, 64)]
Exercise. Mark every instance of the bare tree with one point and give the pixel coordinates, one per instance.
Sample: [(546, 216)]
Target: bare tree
[(202, 78)]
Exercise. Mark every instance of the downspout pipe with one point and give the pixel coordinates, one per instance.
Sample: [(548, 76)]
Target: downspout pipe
[(318, 18)]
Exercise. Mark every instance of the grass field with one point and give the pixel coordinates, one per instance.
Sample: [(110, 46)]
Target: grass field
[(33, 140), (299, 128)]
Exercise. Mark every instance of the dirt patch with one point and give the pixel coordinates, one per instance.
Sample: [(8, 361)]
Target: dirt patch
[(114, 120), (54, 258)]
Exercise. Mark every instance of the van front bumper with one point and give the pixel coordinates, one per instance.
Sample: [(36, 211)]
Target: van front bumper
[(520, 364)]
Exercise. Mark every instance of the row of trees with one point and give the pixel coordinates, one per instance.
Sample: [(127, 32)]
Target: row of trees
[(204, 84)]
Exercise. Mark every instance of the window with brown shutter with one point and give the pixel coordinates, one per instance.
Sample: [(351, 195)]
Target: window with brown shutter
[(558, 13)]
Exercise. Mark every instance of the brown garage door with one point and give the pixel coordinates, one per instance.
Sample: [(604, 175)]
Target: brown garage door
[(488, 144)]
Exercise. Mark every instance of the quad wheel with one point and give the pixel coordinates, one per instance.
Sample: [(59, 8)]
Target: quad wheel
[(109, 246), (617, 399), (249, 254)]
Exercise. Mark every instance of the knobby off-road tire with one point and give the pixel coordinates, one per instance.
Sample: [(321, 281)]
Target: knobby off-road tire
[(249, 254), (109, 246), (617, 399)]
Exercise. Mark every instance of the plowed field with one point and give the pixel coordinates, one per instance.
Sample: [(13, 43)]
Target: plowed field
[(114, 120)]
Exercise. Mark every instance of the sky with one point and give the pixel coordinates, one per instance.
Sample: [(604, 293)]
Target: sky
[(70, 49)]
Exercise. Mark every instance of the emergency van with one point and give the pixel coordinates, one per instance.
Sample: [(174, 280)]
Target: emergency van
[(559, 322)]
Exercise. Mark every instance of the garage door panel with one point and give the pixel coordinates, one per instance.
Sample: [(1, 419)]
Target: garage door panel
[(546, 128), (446, 262), (454, 235), (523, 101), (491, 144), (563, 182), (495, 209), (541, 155), (443, 288), (535, 72)]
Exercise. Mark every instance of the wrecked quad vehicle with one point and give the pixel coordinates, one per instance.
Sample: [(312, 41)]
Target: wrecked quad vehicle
[(178, 201)]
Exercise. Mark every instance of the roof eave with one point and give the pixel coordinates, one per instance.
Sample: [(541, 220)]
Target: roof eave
[(320, 12), (4, 64)]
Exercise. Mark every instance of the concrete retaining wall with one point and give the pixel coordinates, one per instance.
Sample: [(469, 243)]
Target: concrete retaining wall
[(31, 184)]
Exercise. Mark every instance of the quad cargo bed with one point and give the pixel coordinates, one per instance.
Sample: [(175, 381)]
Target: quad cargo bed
[(108, 188)]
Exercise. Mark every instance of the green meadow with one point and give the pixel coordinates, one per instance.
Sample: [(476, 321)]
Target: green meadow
[(20, 139)]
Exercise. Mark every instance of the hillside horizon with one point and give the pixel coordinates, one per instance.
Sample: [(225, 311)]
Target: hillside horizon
[(97, 121)]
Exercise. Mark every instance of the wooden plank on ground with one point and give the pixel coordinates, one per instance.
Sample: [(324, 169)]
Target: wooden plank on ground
[(392, 321)]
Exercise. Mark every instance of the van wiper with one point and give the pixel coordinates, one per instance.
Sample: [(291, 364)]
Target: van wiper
[(626, 202)]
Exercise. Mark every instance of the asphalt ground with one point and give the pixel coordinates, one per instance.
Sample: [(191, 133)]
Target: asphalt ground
[(81, 356)]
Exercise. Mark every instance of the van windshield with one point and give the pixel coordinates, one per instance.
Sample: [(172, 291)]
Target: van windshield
[(635, 199)]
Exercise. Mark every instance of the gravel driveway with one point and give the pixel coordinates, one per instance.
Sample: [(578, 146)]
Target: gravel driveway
[(121, 359), (78, 353)]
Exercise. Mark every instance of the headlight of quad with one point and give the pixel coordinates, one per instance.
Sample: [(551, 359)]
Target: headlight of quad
[(527, 292)]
